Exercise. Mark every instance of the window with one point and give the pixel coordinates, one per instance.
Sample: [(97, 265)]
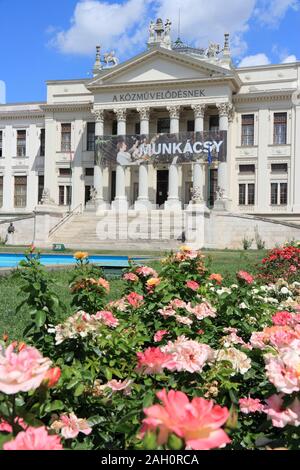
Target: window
[(114, 128), (248, 129), (61, 196), (283, 193), (1, 191), (247, 168), (247, 194), (65, 172), (90, 144), (1, 144), (279, 194), (191, 126), (251, 194), (214, 123), (21, 143), (89, 172), (242, 194), (279, 168), (42, 143), (65, 195), (163, 126), (137, 128), (66, 137), (40, 187), (20, 191), (280, 126)]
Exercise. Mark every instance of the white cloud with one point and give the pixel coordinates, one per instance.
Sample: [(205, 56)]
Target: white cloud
[(254, 60), (271, 12), (123, 26), (2, 92), (94, 22), (203, 21), (289, 59)]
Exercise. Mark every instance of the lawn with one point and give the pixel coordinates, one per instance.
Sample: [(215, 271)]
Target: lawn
[(12, 322)]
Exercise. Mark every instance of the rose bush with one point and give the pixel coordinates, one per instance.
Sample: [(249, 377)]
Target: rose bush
[(182, 360)]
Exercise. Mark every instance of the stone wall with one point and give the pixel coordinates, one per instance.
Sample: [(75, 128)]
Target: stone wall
[(225, 230)]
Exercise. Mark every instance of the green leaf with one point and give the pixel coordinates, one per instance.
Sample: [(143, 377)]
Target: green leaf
[(97, 419), (4, 438), (108, 373), (174, 442), (79, 390), (150, 441), (40, 318)]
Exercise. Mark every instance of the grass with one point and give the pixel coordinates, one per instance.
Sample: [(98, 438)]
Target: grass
[(13, 323)]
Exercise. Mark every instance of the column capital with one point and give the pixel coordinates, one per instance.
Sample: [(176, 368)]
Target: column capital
[(121, 114), (99, 114), (144, 112), (199, 110), (174, 111), (226, 109)]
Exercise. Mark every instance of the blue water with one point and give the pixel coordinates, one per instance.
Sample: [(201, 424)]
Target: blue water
[(8, 260)]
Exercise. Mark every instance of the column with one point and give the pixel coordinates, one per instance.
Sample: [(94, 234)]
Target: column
[(225, 112), (143, 202), (51, 189), (120, 203), (199, 111), (98, 170), (173, 202)]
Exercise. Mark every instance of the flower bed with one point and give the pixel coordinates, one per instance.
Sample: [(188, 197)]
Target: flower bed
[(182, 360)]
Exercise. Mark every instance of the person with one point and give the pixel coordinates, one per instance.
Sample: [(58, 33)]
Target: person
[(124, 156), (10, 233)]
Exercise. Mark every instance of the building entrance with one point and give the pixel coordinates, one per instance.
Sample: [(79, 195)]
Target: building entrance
[(162, 186)]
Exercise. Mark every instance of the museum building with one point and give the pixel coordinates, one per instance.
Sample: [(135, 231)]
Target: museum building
[(192, 132)]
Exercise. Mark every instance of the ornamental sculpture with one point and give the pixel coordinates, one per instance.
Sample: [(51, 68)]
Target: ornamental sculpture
[(108, 60), (160, 34), (196, 194)]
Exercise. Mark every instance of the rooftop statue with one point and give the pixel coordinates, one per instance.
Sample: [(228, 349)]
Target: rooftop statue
[(213, 50), (159, 34), (111, 59)]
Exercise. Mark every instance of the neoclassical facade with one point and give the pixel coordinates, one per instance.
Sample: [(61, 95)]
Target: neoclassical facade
[(47, 150)]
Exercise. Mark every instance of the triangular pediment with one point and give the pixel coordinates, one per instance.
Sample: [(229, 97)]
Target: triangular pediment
[(159, 65)]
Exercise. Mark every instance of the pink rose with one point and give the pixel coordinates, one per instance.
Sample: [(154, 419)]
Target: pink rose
[(52, 377), (159, 335), (70, 426), (146, 271), (6, 427), (134, 299), (244, 276), (197, 422), (281, 417), (193, 285), (130, 277), (154, 360), (104, 283), (34, 439), (250, 405), (22, 371), (282, 318), (107, 318), (189, 355), (119, 386)]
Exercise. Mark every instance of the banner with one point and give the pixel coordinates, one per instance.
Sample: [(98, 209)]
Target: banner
[(181, 148)]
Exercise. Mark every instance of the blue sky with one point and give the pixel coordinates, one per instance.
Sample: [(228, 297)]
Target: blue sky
[(55, 39)]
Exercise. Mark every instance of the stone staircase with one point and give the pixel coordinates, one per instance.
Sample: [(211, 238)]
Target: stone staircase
[(110, 231)]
